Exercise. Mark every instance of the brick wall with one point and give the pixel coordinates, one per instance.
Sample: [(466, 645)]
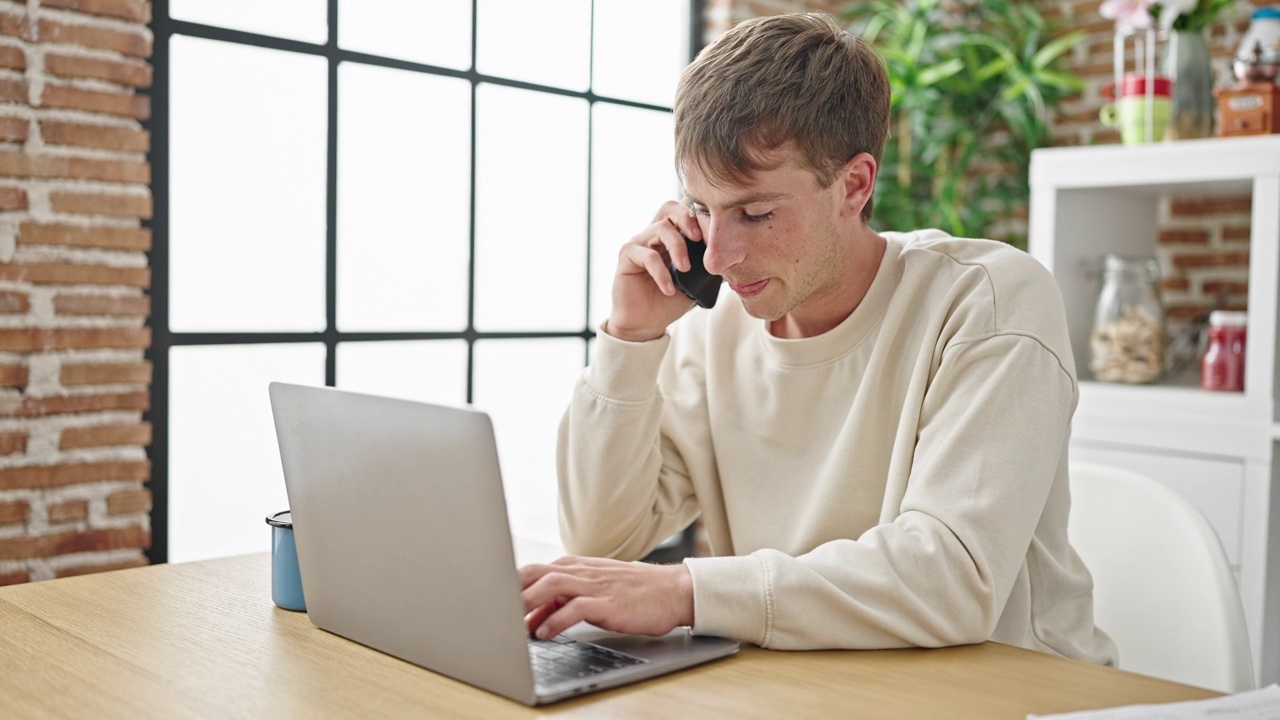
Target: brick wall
[(723, 14), (74, 383)]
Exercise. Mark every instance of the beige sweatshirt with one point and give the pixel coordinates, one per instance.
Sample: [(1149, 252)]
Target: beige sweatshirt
[(898, 481)]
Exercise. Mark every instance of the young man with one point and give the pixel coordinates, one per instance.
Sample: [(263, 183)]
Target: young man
[(872, 427)]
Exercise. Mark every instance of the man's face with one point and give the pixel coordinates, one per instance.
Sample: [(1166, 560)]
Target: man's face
[(776, 239)]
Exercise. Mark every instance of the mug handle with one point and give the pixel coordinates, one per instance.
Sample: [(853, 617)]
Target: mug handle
[(1108, 114)]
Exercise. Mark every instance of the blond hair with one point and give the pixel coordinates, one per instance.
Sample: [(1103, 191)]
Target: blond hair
[(798, 78)]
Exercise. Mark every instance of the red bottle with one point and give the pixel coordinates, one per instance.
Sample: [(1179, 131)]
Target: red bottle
[(1223, 365)]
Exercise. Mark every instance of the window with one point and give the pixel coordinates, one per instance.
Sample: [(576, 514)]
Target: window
[(419, 199)]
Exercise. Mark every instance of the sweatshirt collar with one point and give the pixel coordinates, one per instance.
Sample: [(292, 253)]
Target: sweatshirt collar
[(852, 331)]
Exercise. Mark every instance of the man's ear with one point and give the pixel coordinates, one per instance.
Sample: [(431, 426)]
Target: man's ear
[(858, 177)]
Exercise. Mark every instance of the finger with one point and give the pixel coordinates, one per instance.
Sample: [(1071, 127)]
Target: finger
[(661, 274), (648, 260), (588, 561), (534, 620), (681, 218), (678, 250), (551, 587), (669, 209), (529, 574), (688, 220), (563, 618), (664, 238), (671, 233)]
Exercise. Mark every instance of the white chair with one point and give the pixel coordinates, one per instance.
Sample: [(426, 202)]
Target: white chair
[(1163, 588)]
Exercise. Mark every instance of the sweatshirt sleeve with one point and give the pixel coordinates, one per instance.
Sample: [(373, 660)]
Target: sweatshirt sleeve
[(623, 489), (991, 435)]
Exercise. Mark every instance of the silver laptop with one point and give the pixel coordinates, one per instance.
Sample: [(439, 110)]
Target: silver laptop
[(404, 546)]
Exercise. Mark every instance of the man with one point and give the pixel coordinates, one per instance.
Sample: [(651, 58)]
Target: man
[(872, 427)]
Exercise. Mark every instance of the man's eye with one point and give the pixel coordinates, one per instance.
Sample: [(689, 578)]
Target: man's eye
[(757, 218), (699, 210)]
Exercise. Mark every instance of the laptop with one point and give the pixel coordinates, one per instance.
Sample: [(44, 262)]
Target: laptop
[(404, 546)]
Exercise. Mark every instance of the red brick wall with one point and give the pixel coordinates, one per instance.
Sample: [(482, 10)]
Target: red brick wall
[(722, 14), (74, 188)]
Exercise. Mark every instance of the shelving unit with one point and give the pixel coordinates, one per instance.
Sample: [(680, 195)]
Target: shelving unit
[(1220, 450)]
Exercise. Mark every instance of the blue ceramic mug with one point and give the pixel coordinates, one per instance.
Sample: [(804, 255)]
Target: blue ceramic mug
[(286, 580)]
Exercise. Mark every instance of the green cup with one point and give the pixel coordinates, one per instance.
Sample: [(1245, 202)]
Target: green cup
[(1129, 111)]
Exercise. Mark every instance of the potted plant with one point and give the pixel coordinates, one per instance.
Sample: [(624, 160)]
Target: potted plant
[(973, 83)]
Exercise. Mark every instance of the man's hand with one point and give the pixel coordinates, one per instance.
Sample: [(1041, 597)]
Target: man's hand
[(629, 597), (645, 300)]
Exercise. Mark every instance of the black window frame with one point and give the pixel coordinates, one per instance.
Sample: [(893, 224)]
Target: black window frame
[(163, 340)]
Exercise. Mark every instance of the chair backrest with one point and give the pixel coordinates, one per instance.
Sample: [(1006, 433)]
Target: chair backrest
[(1163, 588)]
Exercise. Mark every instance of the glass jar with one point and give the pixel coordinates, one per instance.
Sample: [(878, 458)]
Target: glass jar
[(1127, 343), (1223, 365)]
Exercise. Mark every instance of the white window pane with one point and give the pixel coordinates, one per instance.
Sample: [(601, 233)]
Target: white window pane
[(547, 43), (531, 206), (656, 30), (247, 188), (305, 20), (432, 371), (525, 386), (224, 463), (432, 32), (404, 184), (632, 174)]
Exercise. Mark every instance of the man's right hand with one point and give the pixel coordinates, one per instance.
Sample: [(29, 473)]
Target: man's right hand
[(645, 300)]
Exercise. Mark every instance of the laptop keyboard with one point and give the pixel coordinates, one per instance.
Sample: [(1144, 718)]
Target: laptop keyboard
[(560, 658)]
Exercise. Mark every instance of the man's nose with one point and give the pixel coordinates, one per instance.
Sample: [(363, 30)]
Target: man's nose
[(723, 249)]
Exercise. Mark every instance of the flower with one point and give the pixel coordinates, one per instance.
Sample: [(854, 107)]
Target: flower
[(1195, 15), (1129, 15)]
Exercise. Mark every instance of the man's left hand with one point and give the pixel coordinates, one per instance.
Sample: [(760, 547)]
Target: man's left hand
[(628, 597)]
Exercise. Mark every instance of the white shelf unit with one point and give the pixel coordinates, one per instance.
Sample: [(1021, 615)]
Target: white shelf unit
[(1218, 449)]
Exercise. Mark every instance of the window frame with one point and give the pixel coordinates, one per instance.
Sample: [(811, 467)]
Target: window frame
[(164, 29)]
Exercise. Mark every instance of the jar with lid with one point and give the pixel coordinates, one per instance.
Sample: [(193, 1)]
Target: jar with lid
[(1127, 343), (1223, 365)]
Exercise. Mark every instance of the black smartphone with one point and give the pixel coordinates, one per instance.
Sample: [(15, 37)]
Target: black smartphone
[(701, 286)]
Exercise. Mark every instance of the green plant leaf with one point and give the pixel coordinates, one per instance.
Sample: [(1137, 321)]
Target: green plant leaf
[(1052, 51), (932, 75), (993, 68), (874, 27), (915, 45), (1061, 80), (1019, 86)]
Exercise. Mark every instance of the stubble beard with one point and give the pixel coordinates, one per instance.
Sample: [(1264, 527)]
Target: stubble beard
[(822, 277)]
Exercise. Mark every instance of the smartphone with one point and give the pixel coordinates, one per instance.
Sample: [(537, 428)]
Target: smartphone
[(701, 286)]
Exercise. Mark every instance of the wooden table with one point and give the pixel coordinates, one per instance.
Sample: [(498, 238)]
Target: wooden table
[(204, 640)]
